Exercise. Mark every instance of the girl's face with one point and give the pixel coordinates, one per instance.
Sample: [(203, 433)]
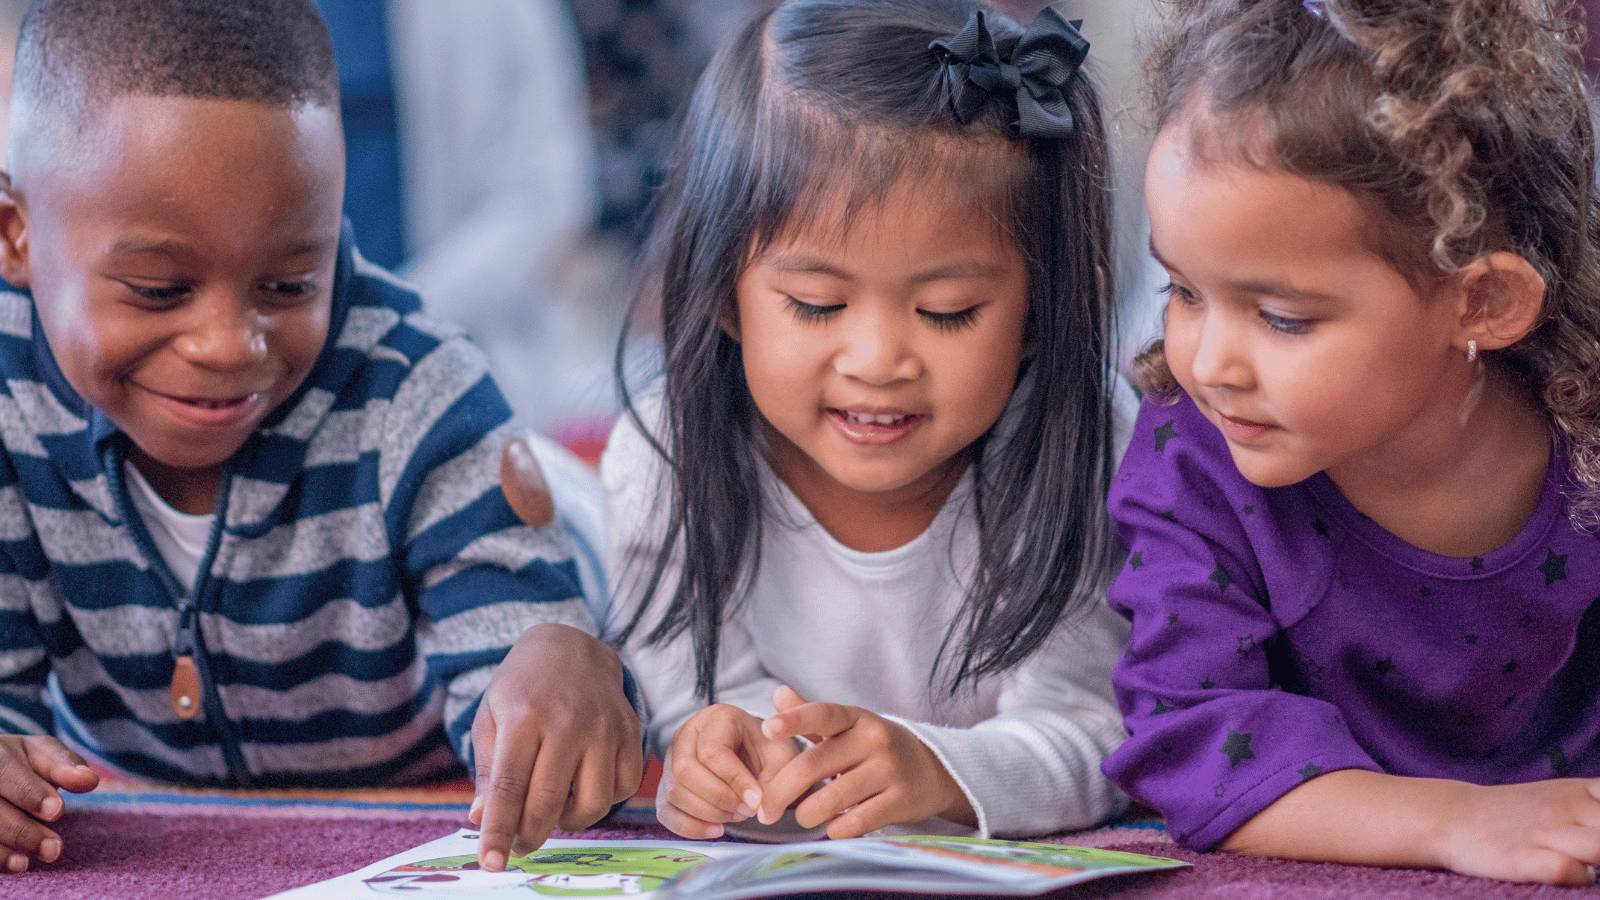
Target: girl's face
[(1303, 345), (882, 351)]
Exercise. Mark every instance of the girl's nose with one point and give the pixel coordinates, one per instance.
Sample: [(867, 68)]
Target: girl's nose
[(1220, 360), (877, 352), (224, 333)]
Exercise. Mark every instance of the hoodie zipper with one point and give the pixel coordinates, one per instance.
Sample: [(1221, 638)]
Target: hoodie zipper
[(193, 687)]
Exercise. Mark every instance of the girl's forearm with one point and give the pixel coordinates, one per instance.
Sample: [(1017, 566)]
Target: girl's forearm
[(1356, 817)]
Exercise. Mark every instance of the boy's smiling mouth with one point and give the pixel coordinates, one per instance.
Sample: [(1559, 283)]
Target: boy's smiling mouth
[(208, 412)]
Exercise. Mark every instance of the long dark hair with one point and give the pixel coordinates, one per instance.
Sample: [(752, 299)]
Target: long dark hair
[(819, 92)]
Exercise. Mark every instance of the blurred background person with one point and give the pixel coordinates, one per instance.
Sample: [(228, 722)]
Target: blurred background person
[(471, 172)]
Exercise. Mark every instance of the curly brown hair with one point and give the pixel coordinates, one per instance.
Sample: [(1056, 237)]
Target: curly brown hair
[(1463, 124)]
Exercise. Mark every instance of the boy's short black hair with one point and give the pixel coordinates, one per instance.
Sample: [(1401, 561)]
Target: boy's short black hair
[(73, 55)]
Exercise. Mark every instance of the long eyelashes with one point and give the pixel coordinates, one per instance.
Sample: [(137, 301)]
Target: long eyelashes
[(808, 313), (1280, 324)]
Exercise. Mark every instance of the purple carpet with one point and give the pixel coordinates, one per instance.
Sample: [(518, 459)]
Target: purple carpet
[(209, 852)]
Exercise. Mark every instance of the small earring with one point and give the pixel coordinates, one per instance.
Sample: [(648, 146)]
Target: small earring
[(1472, 351)]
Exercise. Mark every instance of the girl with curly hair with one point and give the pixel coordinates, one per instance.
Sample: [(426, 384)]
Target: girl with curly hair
[(1361, 498)]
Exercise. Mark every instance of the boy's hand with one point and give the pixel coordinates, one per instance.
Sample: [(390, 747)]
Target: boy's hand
[(713, 771), (555, 742), (881, 773), (1545, 831), (31, 770)]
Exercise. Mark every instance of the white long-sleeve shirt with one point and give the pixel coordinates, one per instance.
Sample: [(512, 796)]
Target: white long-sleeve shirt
[(864, 629)]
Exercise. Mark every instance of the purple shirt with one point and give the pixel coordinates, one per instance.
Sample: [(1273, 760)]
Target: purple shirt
[(1279, 634)]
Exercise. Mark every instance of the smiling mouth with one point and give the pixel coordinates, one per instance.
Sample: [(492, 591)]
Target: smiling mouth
[(212, 403), (888, 420)]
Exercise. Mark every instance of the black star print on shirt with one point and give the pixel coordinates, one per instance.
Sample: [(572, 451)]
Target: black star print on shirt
[(1237, 748), (1559, 764), (1554, 568), (1163, 434), (1477, 564), (1320, 527), (1220, 577), (1384, 666), (1161, 707), (1135, 561), (1311, 771)]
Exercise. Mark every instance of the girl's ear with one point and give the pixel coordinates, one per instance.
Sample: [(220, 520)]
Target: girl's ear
[(729, 320), (13, 235), (1502, 300)]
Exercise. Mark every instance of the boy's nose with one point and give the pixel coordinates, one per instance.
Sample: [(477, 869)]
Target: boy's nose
[(226, 335)]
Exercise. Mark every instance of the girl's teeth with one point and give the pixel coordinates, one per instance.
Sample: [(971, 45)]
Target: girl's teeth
[(868, 419)]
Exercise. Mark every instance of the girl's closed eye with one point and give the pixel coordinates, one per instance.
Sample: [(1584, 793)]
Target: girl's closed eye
[(951, 321), (810, 312)]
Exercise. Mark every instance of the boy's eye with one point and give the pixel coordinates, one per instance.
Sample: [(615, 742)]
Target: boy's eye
[(950, 321), (163, 295), (1285, 324), (810, 312), (290, 291)]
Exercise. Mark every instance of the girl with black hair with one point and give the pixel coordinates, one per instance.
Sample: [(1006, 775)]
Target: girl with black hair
[(864, 504)]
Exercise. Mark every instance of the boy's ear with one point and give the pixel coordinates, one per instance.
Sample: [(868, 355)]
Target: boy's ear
[(1502, 300), (13, 235)]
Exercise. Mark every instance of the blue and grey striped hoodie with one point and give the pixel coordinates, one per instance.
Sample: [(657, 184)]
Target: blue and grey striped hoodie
[(363, 578)]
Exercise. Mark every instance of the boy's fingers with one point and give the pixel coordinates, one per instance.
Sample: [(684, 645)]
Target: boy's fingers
[(813, 720), (547, 793), (22, 833), (630, 773), (680, 823), (503, 793), (51, 758), (591, 792), (26, 790)]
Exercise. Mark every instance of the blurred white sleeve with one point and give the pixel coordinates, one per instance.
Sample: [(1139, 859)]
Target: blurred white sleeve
[(497, 155)]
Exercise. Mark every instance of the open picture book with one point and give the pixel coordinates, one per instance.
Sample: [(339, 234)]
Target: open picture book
[(725, 870)]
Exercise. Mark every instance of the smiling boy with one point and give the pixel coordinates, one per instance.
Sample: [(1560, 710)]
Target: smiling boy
[(250, 528)]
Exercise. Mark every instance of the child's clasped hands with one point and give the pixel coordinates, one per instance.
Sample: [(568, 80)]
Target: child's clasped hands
[(841, 766)]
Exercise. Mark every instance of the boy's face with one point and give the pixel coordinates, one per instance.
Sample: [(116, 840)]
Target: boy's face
[(181, 258)]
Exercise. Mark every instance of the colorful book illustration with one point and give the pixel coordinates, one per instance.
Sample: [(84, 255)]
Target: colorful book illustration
[(727, 871)]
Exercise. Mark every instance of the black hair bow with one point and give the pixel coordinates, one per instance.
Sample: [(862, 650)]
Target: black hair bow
[(1034, 68)]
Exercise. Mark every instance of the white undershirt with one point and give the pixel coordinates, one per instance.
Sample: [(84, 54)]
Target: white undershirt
[(179, 537), (864, 629)]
